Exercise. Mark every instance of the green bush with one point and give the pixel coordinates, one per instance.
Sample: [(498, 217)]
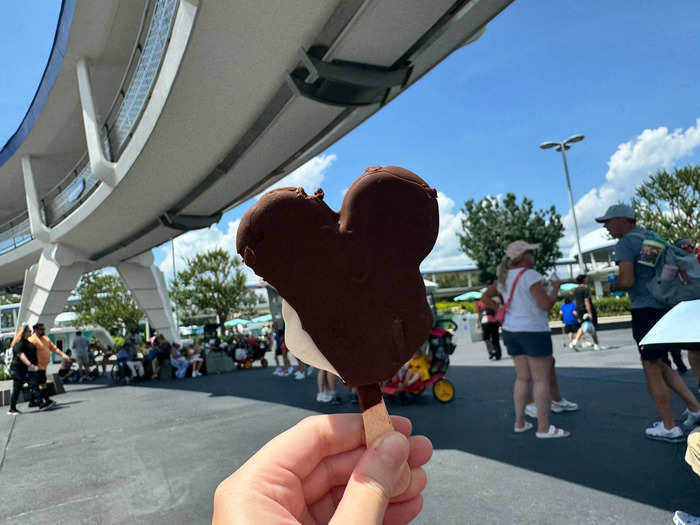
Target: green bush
[(605, 306), (118, 341), (4, 374), (608, 306), (448, 305)]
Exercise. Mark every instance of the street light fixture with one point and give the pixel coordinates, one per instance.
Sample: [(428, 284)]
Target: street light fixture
[(562, 147)]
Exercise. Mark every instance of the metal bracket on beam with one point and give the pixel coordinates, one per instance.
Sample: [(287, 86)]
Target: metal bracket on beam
[(188, 222), (344, 83)]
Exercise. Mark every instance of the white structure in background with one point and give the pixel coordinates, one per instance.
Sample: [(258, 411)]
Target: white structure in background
[(153, 117)]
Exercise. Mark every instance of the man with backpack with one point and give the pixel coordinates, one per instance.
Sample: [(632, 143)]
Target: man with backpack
[(635, 255)]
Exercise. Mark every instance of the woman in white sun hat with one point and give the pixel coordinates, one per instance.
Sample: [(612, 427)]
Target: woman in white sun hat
[(526, 333)]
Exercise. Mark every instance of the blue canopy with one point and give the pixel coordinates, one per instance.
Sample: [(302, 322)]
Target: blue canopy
[(567, 287), (262, 319), (234, 322), (469, 296)]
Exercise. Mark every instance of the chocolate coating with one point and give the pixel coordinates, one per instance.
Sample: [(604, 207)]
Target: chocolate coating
[(352, 276)]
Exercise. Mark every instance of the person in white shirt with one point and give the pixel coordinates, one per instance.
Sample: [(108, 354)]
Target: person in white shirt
[(526, 333)]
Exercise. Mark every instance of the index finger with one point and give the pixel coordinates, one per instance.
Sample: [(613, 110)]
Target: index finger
[(303, 446)]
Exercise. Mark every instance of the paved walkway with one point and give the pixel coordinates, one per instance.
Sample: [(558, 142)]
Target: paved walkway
[(154, 453)]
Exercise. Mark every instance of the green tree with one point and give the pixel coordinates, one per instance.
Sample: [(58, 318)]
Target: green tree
[(213, 280), (669, 203), (9, 298), (106, 302), (489, 226)]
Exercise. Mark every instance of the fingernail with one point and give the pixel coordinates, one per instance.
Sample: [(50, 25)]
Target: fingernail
[(393, 447)]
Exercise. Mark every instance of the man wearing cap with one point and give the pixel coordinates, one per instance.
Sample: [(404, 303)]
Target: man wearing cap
[(634, 276)]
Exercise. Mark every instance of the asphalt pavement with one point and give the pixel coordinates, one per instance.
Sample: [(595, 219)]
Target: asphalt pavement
[(154, 452)]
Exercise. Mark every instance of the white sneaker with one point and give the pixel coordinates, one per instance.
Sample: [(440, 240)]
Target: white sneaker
[(324, 397), (299, 375), (309, 370), (563, 406), (277, 372), (596, 346), (683, 518), (531, 410), (289, 371), (692, 419), (572, 344), (658, 431)]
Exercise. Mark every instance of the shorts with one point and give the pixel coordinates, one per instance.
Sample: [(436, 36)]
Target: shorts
[(571, 328), (643, 319), (82, 360), (532, 344), (40, 377)]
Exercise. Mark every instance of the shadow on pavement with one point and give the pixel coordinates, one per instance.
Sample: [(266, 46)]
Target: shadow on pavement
[(606, 452)]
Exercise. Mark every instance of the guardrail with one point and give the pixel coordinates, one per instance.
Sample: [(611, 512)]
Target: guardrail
[(70, 193), (140, 76), (122, 118), (14, 233)]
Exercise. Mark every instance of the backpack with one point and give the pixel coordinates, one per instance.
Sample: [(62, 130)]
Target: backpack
[(676, 275)]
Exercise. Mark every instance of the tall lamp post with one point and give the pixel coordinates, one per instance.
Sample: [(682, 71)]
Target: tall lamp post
[(563, 146), (177, 318)]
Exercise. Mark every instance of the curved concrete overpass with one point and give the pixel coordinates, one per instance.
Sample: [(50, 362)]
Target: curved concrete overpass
[(155, 116)]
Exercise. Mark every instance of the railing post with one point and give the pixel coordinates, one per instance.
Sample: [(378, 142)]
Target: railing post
[(37, 226), (103, 169)]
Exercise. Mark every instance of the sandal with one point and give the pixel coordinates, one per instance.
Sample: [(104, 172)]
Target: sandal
[(553, 433), (527, 426)]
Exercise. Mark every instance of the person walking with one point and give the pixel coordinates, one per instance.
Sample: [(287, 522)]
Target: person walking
[(526, 333), (635, 273), (81, 348), (23, 368), (569, 316), (584, 305), (487, 323), (44, 347)]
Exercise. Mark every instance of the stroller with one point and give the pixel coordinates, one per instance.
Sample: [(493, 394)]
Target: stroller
[(440, 347), (249, 351)]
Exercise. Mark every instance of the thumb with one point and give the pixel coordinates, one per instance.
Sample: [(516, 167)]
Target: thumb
[(372, 482)]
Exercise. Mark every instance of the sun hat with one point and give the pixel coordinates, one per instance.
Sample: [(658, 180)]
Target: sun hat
[(617, 210), (517, 248)]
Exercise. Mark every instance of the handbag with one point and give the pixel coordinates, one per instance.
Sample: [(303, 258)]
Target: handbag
[(501, 313)]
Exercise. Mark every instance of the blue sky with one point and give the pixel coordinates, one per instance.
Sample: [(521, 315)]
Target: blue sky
[(546, 69)]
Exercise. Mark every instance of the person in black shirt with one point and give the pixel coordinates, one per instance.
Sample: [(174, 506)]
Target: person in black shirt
[(24, 367), (584, 305)]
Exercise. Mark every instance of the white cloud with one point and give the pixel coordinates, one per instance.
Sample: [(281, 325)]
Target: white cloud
[(652, 150), (191, 243), (309, 176), (447, 254)]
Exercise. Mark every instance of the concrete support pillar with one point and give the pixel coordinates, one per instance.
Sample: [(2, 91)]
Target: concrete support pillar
[(147, 286), (598, 288), (469, 279), (36, 222), (100, 166), (49, 283), (593, 262)]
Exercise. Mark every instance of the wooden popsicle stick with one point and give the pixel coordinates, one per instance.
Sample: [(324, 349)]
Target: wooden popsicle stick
[(377, 423)]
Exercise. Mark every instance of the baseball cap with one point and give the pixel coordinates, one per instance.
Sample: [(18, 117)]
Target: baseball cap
[(517, 248), (681, 242), (617, 210)]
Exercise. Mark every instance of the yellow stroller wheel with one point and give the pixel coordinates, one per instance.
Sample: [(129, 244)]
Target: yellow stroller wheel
[(443, 390)]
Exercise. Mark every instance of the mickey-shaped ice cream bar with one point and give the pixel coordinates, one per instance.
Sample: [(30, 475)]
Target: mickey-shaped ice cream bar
[(354, 299)]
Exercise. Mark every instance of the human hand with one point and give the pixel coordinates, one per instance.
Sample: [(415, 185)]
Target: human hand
[(319, 472)]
